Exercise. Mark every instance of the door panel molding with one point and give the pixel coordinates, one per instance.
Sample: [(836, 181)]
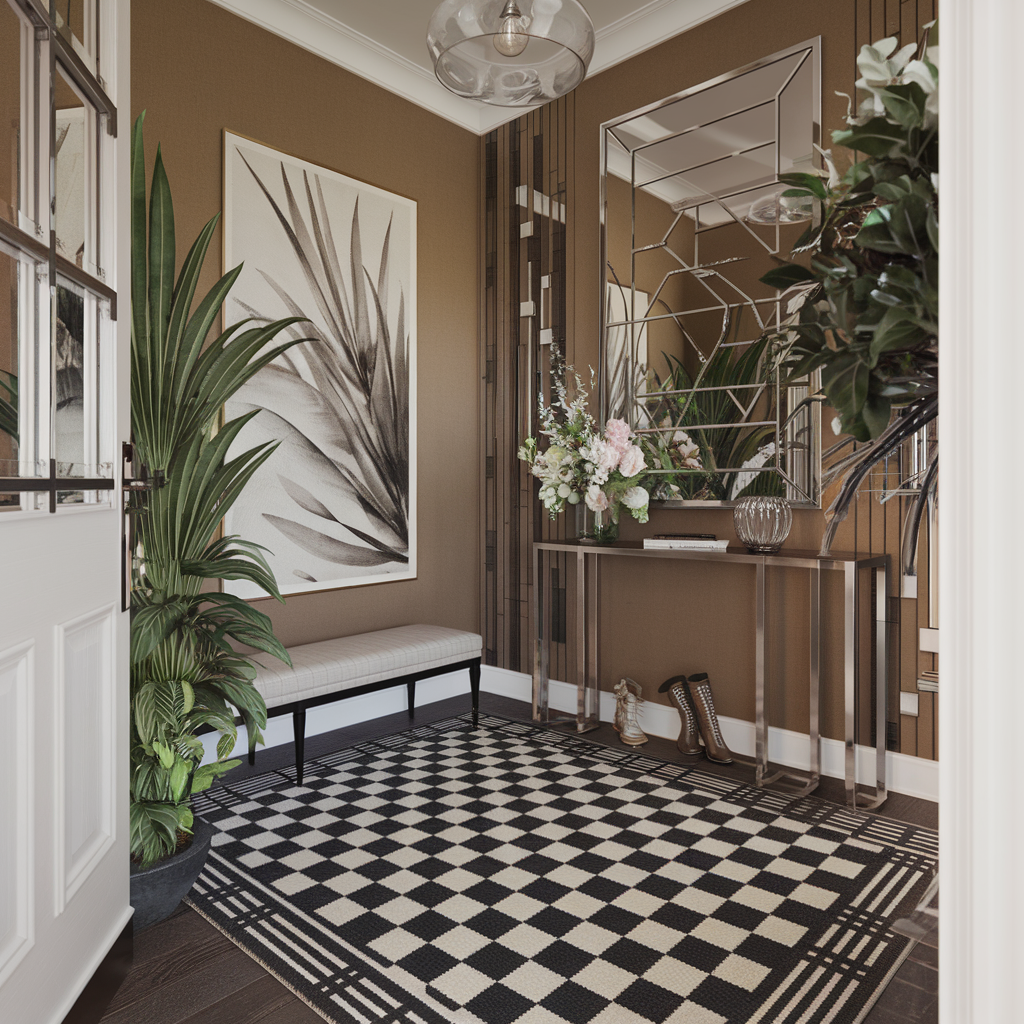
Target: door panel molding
[(17, 917), (84, 801)]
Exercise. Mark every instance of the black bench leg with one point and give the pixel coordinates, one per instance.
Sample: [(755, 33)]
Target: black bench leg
[(474, 686), (412, 696), (299, 728)]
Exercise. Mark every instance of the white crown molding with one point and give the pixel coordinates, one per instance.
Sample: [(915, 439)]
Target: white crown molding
[(304, 25), (650, 25)]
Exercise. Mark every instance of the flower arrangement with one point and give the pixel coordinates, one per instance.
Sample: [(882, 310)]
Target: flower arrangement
[(602, 469)]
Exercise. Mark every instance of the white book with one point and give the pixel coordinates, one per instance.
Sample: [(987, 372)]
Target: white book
[(683, 544)]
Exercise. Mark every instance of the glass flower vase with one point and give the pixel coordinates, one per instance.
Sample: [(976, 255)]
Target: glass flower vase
[(600, 528)]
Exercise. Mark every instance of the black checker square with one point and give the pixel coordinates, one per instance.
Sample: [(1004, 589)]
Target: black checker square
[(522, 875)]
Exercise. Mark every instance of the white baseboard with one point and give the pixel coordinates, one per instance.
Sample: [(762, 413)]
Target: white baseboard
[(912, 776)]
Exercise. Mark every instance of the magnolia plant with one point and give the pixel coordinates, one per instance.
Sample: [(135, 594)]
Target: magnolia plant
[(602, 469), (864, 312)]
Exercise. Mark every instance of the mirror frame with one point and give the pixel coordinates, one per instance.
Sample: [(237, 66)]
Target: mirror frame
[(814, 461)]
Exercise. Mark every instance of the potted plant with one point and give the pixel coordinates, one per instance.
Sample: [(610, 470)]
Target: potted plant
[(865, 311), (185, 673)]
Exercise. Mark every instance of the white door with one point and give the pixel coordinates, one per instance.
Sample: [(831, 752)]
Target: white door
[(64, 357)]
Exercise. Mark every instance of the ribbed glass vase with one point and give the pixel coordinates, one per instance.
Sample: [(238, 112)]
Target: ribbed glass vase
[(762, 523)]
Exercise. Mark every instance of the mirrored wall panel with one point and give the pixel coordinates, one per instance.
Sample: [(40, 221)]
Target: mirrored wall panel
[(693, 216)]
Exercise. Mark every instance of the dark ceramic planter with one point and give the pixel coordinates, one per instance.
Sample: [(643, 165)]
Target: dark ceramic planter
[(157, 891)]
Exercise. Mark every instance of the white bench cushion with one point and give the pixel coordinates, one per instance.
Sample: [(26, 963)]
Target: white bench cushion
[(333, 666)]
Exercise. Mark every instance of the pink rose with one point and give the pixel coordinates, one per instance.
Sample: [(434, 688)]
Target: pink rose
[(607, 455), (632, 461), (616, 433)]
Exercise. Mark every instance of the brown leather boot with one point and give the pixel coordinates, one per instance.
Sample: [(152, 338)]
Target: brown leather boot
[(710, 730), (689, 737)]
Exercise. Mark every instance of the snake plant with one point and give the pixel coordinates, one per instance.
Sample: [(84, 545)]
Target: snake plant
[(185, 671)]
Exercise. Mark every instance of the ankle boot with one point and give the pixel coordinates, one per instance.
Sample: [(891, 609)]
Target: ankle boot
[(689, 737), (627, 722), (707, 720)]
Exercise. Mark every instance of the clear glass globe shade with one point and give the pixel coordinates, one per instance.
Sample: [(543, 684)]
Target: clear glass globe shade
[(471, 60)]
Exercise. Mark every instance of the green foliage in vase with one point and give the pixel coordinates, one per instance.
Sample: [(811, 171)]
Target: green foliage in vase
[(690, 457), (865, 312), (185, 673)]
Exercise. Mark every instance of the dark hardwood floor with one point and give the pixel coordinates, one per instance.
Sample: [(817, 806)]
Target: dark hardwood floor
[(186, 972)]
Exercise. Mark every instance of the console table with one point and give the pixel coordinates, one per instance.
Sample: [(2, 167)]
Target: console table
[(585, 638)]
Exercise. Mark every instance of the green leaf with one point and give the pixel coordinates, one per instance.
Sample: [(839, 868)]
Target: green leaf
[(179, 779), (846, 383), (805, 183), (206, 774), (876, 413), (225, 745), (876, 138), (161, 250), (165, 753), (898, 329), (787, 275), (153, 831), (152, 625)]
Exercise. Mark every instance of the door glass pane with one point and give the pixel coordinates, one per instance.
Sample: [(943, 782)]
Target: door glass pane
[(75, 146), (10, 114), (75, 21), (22, 281), (80, 388)]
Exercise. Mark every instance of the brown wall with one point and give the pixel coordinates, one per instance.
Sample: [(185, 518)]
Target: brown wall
[(196, 70)]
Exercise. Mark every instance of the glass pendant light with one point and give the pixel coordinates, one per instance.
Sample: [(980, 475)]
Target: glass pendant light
[(510, 53)]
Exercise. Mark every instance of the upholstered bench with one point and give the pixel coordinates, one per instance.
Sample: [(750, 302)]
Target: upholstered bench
[(324, 672)]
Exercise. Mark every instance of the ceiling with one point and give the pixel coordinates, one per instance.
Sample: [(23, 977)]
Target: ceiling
[(384, 41)]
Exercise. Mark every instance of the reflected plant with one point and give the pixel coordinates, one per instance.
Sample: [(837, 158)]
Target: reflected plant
[(9, 403), (341, 405), (692, 457)]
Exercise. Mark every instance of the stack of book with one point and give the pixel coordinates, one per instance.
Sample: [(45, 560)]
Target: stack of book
[(685, 542)]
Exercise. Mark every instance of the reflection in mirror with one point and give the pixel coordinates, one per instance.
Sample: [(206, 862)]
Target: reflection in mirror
[(78, 386), (693, 215), (21, 283), (75, 148), (10, 116), (76, 22)]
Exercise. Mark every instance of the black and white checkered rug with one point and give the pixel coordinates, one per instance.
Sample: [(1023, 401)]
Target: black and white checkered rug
[(513, 875)]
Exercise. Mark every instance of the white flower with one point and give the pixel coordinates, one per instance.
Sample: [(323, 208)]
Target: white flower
[(632, 461), (756, 461), (688, 451), (573, 499), (564, 490), (605, 455), (837, 426), (597, 500), (599, 477), (635, 497)]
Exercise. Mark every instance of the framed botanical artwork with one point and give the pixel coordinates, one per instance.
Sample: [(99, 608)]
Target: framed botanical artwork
[(335, 503)]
